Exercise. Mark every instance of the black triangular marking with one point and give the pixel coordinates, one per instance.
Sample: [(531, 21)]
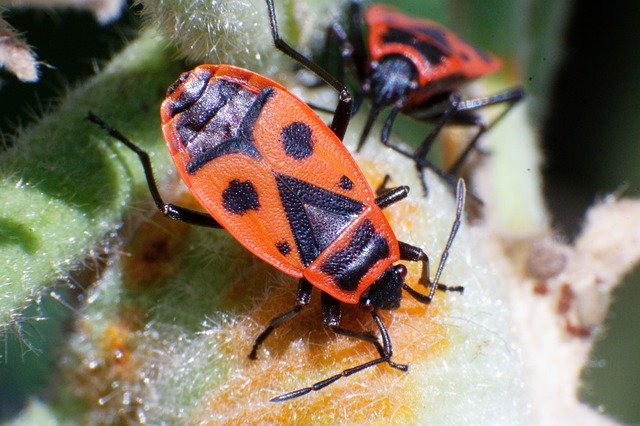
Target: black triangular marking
[(316, 216), (299, 224), (322, 198)]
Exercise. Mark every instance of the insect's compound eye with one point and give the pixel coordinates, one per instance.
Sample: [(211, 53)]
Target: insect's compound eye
[(401, 270)]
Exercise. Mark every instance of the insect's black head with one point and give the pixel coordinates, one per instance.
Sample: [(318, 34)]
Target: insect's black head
[(391, 80), (386, 291)]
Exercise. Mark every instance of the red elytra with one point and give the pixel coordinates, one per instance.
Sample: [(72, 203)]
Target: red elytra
[(339, 199), (268, 170)]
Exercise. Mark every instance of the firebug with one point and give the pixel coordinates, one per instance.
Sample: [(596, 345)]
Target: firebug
[(416, 66), (267, 169)]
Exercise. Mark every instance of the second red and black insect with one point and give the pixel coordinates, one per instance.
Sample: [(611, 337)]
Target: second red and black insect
[(415, 66)]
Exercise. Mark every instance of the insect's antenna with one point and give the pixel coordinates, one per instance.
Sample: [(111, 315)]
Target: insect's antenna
[(460, 196)]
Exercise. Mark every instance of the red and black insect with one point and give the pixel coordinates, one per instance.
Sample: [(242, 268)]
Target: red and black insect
[(267, 169), (415, 66)]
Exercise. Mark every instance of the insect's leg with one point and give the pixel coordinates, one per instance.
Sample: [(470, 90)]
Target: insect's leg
[(444, 110), (319, 107), (350, 45), (357, 103), (331, 318), (350, 57), (391, 195), (418, 156), (335, 33), (448, 110), (386, 131), (416, 254), (342, 114), (302, 300), (371, 118), (463, 116), (359, 54), (382, 188), (172, 211), (386, 348)]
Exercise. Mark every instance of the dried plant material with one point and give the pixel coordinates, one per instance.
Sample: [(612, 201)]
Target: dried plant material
[(16, 56), (547, 258), (559, 295), (607, 249), (104, 10)]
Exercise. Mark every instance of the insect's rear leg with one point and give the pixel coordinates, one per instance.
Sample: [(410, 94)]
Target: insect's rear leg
[(464, 116), (172, 211), (302, 299), (419, 155), (331, 318), (331, 313)]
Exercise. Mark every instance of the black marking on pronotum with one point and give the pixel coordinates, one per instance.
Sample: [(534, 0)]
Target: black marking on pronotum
[(178, 82), (297, 140), (283, 247), (209, 101), (431, 53), (232, 146), (348, 265), (345, 183), (240, 142), (193, 86), (435, 33), (316, 216), (239, 197)]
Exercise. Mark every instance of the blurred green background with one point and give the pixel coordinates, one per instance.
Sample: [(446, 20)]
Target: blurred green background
[(589, 131)]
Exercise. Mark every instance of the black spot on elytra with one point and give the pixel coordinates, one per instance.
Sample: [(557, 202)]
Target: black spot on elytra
[(239, 197), (350, 264), (345, 183), (283, 247), (297, 141)]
